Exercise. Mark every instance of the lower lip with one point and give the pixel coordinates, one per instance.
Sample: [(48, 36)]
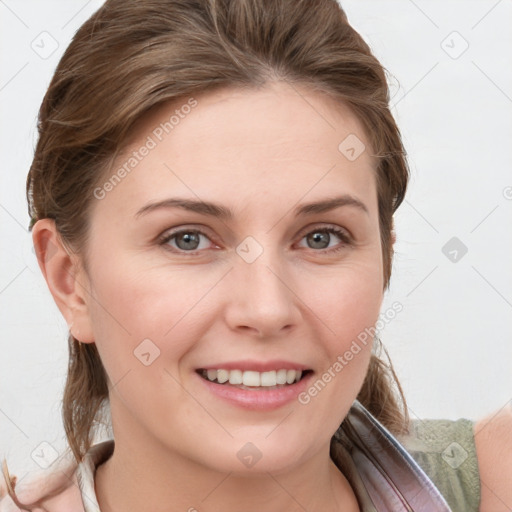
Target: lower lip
[(258, 399)]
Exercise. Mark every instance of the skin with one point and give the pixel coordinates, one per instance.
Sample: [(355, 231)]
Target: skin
[(277, 149), (295, 302), (493, 442)]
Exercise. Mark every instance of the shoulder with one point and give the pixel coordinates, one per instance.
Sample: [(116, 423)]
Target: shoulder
[(493, 440), (445, 450), (54, 490)]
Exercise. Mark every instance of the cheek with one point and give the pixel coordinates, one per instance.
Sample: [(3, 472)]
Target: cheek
[(348, 302), (139, 310)]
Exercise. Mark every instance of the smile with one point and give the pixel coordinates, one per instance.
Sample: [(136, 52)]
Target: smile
[(253, 379), (255, 385)]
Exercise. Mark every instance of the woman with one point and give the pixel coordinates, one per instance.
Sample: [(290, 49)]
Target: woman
[(212, 199)]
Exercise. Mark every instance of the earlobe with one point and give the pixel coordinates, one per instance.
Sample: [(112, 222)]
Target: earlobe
[(66, 281)]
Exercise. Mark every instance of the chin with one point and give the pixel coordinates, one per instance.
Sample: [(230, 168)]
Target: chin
[(263, 453)]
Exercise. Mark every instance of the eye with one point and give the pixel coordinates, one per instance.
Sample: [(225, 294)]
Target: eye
[(194, 240), (185, 240), (321, 238)]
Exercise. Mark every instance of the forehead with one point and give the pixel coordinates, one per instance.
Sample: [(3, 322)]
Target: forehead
[(244, 145)]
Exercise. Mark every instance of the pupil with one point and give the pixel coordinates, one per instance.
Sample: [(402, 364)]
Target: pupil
[(319, 238), (191, 241)]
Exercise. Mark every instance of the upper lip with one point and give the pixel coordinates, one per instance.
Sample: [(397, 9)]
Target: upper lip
[(257, 366)]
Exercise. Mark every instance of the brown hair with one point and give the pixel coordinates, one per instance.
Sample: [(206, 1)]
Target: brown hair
[(131, 56)]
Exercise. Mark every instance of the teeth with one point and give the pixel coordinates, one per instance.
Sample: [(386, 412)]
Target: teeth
[(235, 377), (281, 376), (251, 379), (254, 379), (222, 376), (268, 378), (290, 376)]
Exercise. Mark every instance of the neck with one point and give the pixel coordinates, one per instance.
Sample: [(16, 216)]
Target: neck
[(144, 477)]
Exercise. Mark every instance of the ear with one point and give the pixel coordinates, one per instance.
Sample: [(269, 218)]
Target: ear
[(393, 237), (65, 278)]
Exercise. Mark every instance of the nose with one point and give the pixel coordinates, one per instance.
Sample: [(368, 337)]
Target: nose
[(262, 300)]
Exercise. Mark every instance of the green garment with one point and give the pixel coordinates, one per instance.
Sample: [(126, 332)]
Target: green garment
[(432, 468), (446, 451)]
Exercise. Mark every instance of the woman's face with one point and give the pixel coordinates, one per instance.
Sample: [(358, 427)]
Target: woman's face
[(208, 253)]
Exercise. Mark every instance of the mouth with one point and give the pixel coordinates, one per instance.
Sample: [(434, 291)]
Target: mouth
[(252, 379)]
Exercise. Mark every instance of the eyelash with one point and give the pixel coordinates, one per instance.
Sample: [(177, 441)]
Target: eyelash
[(341, 234)]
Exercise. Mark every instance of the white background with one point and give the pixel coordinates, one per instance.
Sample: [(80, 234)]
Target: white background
[(451, 344)]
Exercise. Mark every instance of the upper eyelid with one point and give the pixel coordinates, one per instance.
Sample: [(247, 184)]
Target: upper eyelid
[(326, 226)]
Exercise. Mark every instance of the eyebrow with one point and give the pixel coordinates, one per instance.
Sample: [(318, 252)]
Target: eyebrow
[(221, 212)]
